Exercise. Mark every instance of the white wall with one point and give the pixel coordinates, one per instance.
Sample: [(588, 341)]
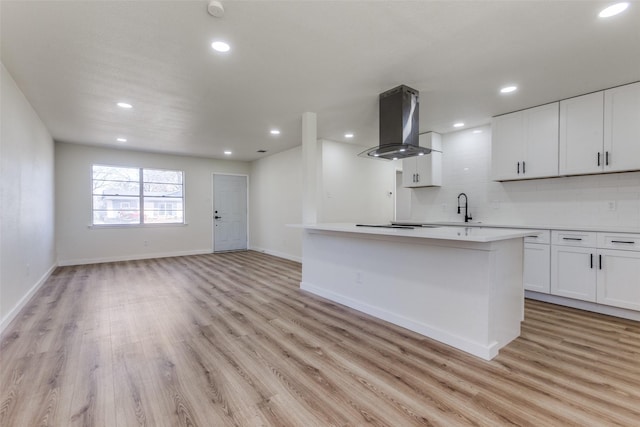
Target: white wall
[(78, 243), (350, 188), (564, 201), (27, 249), (276, 200), (355, 189)]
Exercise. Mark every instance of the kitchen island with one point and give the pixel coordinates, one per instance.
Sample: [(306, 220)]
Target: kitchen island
[(460, 286)]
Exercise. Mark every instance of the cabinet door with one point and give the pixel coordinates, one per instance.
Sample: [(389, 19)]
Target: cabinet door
[(581, 134), (409, 172), (537, 267), (619, 278), (424, 171), (507, 146), (622, 128), (572, 273), (541, 156)]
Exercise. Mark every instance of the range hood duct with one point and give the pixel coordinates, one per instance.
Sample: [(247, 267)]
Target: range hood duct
[(399, 110)]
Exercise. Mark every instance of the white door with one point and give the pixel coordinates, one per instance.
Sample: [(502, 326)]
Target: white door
[(229, 213)]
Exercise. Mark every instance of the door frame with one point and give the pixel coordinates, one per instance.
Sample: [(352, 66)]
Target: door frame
[(213, 207)]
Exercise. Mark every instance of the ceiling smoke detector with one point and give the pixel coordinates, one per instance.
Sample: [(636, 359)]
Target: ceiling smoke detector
[(215, 8)]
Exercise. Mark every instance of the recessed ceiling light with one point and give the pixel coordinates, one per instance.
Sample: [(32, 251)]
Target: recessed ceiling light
[(420, 154), (402, 150), (220, 46), (376, 155), (613, 10), (395, 158), (508, 89), (348, 135), (121, 139), (458, 125), (477, 131), (274, 132), (227, 153), (124, 105)]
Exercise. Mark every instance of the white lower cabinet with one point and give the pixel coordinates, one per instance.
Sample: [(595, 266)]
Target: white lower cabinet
[(619, 278), (573, 273), (537, 261), (583, 267)]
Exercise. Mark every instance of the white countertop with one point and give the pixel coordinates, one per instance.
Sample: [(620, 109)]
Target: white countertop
[(467, 234), (603, 228)]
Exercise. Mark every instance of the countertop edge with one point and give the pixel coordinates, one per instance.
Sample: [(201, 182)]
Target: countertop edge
[(597, 229), (442, 232)]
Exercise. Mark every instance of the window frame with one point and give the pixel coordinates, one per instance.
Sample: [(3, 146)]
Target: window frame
[(140, 197)]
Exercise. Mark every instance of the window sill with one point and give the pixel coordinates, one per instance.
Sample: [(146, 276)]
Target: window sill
[(108, 226)]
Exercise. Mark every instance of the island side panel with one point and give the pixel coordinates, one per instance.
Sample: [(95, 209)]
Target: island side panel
[(441, 289), (506, 304)]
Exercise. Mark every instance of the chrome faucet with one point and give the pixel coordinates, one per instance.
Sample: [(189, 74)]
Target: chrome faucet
[(467, 217)]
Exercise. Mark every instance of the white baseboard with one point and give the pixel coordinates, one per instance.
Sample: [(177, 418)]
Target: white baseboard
[(277, 253), (82, 261), (8, 318), (477, 349), (584, 305)]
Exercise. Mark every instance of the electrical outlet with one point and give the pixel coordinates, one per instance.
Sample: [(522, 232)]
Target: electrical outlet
[(612, 206), (146, 243), (358, 277), (444, 207)]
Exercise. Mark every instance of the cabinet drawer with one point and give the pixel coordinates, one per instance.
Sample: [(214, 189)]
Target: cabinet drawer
[(542, 236), (630, 242), (574, 238)]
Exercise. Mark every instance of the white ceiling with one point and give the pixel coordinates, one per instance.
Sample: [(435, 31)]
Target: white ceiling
[(75, 59)]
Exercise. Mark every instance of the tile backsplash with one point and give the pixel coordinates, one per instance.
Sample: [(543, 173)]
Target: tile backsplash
[(591, 200)]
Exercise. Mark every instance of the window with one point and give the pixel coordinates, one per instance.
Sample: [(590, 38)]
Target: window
[(125, 195)]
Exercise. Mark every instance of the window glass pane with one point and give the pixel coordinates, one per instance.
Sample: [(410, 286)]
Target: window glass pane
[(162, 176), (116, 187), (116, 217), (162, 183), (116, 210), (162, 190), (115, 173), (110, 180), (163, 217)]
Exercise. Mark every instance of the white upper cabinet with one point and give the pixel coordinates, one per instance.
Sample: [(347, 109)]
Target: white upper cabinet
[(525, 144), (622, 128), (424, 171), (600, 132), (581, 134), (507, 145)]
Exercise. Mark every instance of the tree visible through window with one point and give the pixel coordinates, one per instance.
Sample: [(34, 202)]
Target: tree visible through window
[(125, 195)]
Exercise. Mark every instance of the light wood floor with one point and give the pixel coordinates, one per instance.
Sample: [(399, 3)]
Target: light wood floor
[(229, 339)]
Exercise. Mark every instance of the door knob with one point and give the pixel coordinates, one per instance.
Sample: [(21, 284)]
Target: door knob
[(217, 217)]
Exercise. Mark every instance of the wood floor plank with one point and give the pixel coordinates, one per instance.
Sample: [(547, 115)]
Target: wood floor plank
[(231, 340)]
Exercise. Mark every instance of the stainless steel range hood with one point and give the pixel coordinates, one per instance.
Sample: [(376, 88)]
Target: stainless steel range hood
[(399, 110)]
